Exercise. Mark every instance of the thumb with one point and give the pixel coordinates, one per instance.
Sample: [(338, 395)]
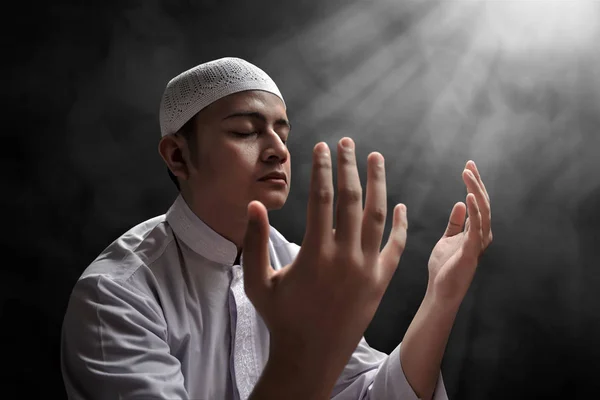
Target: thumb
[(393, 249), (456, 222), (256, 265)]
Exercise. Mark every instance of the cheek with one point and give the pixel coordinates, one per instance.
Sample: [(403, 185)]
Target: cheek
[(206, 163), (238, 162)]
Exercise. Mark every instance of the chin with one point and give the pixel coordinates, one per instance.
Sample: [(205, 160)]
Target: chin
[(272, 201)]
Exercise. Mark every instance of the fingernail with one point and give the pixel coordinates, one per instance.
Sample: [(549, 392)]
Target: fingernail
[(347, 143)]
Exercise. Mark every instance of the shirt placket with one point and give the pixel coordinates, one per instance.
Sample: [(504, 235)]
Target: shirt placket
[(245, 364)]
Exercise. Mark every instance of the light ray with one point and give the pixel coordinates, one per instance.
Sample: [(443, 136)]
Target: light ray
[(522, 26)]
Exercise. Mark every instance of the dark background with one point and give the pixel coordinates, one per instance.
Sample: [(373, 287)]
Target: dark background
[(429, 84)]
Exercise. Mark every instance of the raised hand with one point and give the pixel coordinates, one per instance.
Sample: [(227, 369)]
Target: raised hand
[(318, 307), (454, 258)]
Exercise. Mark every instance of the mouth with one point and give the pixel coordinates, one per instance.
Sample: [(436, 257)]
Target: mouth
[(274, 177), (276, 181)]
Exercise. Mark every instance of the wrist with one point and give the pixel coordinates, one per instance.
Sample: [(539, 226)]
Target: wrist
[(439, 303), (284, 376)]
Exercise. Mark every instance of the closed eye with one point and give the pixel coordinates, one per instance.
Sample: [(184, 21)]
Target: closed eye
[(248, 134), (243, 134)]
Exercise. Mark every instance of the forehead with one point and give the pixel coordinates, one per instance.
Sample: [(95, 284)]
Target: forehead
[(249, 101)]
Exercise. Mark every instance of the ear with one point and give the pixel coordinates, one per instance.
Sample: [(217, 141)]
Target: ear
[(174, 151)]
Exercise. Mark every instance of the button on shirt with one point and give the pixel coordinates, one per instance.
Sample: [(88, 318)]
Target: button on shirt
[(161, 313)]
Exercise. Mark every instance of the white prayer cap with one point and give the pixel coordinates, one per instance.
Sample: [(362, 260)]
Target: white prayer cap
[(196, 88)]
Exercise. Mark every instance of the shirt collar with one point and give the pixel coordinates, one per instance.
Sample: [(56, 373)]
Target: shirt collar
[(200, 237)]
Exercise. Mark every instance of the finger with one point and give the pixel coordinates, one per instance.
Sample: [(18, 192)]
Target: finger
[(375, 205), (319, 218), (482, 201), (473, 168), (393, 249), (349, 202), (456, 221), (256, 265), (474, 235), (486, 212)]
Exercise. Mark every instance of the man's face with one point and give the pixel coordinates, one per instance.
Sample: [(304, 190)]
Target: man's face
[(241, 138)]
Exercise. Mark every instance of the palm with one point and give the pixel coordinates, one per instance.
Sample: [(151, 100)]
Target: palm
[(444, 254), (450, 266)]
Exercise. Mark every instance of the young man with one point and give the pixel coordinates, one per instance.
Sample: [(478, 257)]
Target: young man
[(210, 302)]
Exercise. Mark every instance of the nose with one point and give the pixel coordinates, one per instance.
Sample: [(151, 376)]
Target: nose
[(276, 150)]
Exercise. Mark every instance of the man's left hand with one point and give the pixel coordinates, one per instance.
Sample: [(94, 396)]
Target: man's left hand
[(454, 258)]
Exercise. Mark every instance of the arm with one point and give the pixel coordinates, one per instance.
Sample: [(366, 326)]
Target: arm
[(292, 377), (373, 375), (452, 265), (114, 345), (424, 344)]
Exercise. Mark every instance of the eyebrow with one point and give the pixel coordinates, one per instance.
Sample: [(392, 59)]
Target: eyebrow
[(257, 115)]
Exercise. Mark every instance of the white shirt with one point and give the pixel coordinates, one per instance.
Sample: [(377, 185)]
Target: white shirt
[(162, 314)]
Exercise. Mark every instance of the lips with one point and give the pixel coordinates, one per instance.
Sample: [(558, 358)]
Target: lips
[(274, 175)]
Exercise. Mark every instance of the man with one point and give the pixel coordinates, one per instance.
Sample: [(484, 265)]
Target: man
[(211, 302)]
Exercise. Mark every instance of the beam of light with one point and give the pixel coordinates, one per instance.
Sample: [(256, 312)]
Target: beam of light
[(522, 26)]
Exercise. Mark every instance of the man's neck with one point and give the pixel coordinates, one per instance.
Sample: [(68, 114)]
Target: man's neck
[(230, 225)]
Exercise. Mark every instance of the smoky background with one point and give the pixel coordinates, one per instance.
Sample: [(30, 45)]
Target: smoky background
[(512, 85)]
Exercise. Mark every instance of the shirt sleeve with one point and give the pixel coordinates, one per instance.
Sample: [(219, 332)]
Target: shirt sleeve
[(114, 346), (373, 375)]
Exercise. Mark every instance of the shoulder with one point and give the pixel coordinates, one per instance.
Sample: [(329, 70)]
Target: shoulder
[(124, 269), (140, 245)]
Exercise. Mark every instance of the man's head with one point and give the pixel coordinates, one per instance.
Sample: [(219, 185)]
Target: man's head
[(224, 126)]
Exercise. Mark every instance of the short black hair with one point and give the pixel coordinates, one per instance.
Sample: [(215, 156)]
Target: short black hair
[(188, 133)]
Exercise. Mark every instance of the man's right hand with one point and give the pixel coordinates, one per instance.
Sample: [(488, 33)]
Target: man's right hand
[(318, 307)]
